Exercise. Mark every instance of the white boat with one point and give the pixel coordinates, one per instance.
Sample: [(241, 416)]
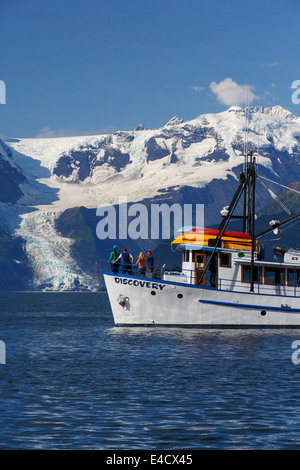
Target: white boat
[(223, 282)]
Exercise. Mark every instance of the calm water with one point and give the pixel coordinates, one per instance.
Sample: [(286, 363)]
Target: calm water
[(74, 381)]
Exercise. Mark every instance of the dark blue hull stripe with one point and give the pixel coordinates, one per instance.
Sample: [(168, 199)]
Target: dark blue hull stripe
[(260, 307)]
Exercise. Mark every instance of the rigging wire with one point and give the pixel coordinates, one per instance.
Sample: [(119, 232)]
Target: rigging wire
[(279, 184), (281, 230), (267, 179), (289, 227), (276, 198)]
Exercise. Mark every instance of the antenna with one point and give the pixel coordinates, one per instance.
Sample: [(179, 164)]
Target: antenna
[(246, 126), (258, 133), (246, 212)]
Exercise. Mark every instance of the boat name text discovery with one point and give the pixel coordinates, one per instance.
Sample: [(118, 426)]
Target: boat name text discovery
[(135, 282)]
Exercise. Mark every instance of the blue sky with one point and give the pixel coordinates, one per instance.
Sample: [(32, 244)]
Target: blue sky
[(78, 67)]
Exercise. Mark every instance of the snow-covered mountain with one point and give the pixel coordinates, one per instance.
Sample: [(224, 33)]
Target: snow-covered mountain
[(93, 170), (183, 161)]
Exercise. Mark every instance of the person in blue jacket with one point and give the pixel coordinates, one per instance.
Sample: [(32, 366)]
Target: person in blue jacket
[(126, 260), (150, 262)]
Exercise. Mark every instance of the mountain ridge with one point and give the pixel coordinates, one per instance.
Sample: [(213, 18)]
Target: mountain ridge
[(184, 162)]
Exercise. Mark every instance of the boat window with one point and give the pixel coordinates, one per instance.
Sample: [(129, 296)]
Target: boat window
[(225, 260), (212, 242), (186, 256), (200, 261), (246, 274), (274, 275), (293, 277)]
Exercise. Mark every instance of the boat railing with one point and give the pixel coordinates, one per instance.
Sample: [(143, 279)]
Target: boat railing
[(156, 272), (211, 281)]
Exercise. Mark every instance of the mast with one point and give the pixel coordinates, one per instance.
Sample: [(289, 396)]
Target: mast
[(247, 186), (245, 196), (246, 163), (253, 238)]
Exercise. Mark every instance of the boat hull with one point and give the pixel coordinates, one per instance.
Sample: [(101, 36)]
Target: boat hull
[(141, 301)]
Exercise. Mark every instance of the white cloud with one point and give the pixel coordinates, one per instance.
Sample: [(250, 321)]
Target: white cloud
[(197, 88), (271, 64), (231, 93), (47, 132)]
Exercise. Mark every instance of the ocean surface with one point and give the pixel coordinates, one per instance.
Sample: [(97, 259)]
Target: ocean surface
[(72, 380)]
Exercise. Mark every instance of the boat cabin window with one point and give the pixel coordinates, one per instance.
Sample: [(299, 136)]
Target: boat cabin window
[(186, 256), (246, 274), (200, 261), (293, 277), (274, 275), (225, 260)]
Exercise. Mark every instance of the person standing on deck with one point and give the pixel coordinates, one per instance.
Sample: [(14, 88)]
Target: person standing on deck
[(142, 264), (127, 260), (114, 256), (150, 262)]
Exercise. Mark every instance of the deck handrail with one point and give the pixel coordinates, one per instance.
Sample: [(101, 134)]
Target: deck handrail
[(214, 282)]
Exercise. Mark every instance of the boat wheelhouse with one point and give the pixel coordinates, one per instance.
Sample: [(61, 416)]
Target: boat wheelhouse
[(230, 267)]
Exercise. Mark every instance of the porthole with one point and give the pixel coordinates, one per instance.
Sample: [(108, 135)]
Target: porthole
[(153, 292), (179, 296), (263, 313)]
